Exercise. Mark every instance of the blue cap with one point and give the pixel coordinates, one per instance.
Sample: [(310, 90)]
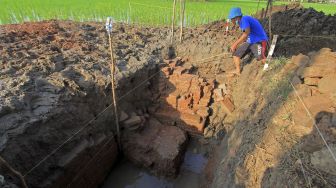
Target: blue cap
[(234, 12)]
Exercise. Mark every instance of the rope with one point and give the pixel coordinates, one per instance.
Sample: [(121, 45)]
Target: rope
[(86, 125), (301, 165), (66, 141), (311, 117), (310, 36), (95, 118), (208, 58)]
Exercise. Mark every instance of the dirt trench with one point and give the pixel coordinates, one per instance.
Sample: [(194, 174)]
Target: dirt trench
[(56, 118), (55, 79), (55, 83)]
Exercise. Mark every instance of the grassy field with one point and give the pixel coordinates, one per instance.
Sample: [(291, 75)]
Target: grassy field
[(152, 12)]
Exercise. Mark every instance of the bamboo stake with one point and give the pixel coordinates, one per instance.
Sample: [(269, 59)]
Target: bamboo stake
[(130, 12), (266, 8), (18, 174), (173, 20), (112, 68), (270, 20), (183, 3), (257, 8)]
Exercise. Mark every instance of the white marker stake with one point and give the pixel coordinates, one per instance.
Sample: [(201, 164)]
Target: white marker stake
[(109, 27), (227, 26), (270, 52)]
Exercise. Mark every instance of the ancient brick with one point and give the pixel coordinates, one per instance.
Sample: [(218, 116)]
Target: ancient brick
[(196, 95), (328, 84), (314, 90), (172, 99), (315, 104), (199, 126), (318, 71), (184, 102), (167, 71), (175, 62), (219, 95), (303, 90), (132, 121), (204, 102), (180, 70), (188, 77), (228, 105), (190, 119), (311, 81), (203, 112), (156, 144), (207, 90)]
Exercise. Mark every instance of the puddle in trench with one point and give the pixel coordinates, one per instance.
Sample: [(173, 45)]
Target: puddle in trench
[(127, 175)]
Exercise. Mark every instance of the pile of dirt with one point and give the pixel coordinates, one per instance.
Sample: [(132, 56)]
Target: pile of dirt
[(302, 31), (277, 8)]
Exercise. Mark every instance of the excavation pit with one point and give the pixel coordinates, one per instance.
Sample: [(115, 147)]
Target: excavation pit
[(57, 125)]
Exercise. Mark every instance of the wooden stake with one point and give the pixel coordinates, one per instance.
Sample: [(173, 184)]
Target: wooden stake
[(270, 20), (182, 17), (173, 20), (257, 8), (112, 68), (266, 8), (18, 174), (130, 12)]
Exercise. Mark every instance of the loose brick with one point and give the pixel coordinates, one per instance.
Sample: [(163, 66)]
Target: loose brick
[(228, 105)]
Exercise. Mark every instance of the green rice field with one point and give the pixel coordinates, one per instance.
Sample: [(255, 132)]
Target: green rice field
[(145, 12)]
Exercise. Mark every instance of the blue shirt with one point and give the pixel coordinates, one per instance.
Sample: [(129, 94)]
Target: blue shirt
[(257, 32)]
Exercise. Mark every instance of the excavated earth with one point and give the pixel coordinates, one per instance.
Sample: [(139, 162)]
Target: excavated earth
[(316, 29), (57, 125)]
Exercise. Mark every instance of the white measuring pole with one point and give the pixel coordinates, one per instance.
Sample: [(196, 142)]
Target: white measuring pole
[(270, 52), (227, 26)]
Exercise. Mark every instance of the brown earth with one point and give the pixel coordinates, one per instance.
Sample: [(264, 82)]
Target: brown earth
[(302, 31), (271, 133), (52, 75), (55, 78)]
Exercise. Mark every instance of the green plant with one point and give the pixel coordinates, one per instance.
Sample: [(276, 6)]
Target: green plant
[(149, 12)]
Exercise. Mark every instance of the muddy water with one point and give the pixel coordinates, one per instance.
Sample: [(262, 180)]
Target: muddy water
[(126, 175)]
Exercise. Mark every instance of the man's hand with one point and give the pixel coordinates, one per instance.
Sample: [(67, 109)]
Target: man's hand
[(233, 48), (241, 39)]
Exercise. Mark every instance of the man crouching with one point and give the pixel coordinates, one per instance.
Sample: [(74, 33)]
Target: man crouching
[(253, 40)]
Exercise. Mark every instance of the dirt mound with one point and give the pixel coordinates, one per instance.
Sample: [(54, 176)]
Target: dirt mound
[(302, 31), (278, 8), (39, 29)]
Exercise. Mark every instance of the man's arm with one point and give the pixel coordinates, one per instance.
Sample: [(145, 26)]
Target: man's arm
[(241, 39)]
